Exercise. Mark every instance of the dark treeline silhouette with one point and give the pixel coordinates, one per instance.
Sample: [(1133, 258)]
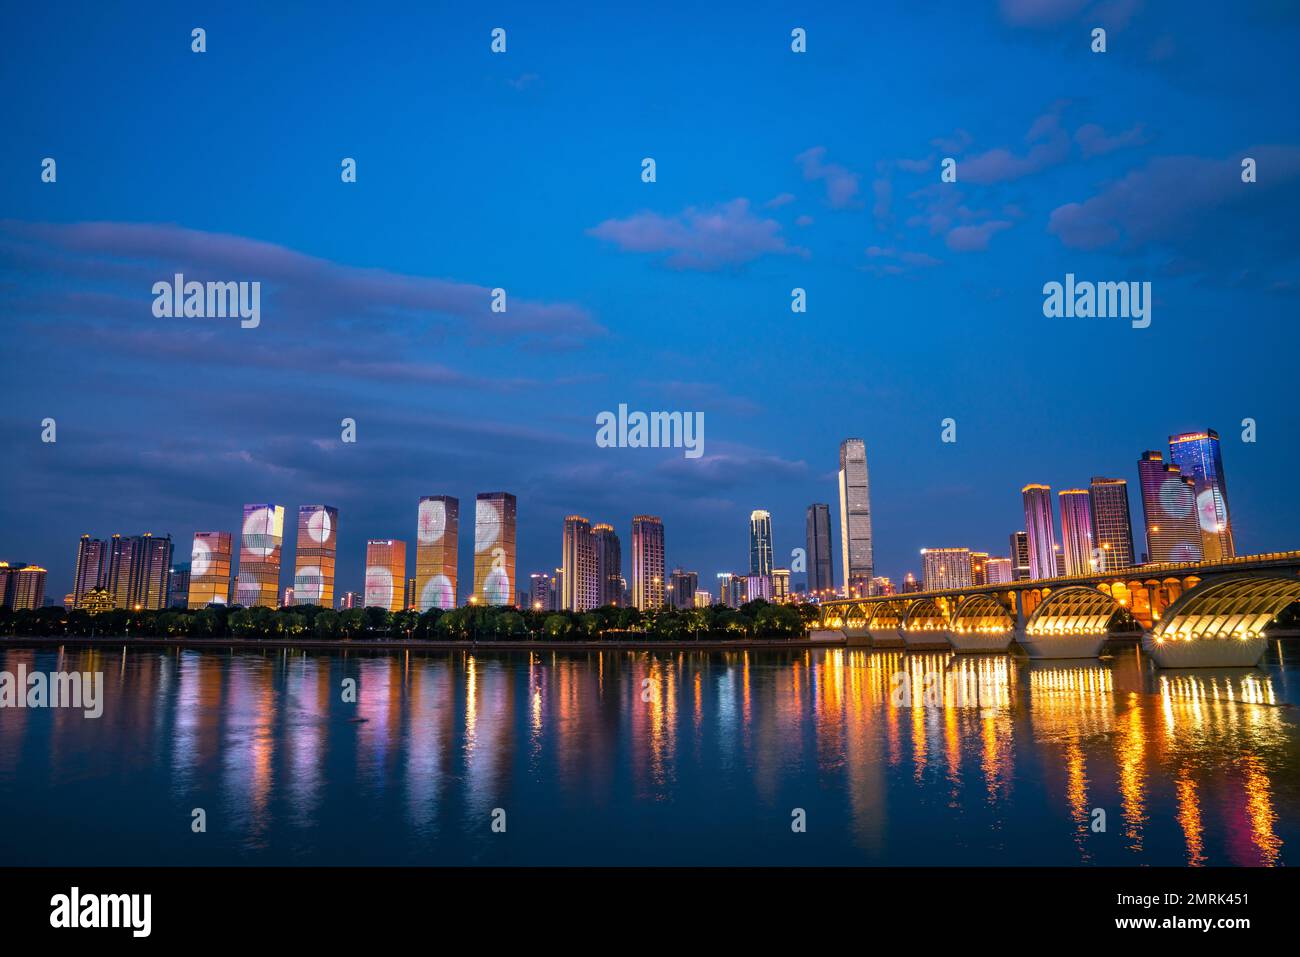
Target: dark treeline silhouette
[(757, 619)]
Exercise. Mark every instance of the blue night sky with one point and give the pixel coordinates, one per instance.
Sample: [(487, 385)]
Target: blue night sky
[(522, 170)]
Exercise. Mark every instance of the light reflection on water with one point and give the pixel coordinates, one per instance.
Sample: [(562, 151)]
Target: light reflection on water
[(651, 758)]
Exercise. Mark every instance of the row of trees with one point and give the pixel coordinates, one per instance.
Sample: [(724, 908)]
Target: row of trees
[(757, 619)]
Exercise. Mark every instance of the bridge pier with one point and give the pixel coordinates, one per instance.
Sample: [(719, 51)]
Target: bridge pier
[(979, 640), (924, 639), (857, 636), (1228, 652), (887, 638), (1081, 645)]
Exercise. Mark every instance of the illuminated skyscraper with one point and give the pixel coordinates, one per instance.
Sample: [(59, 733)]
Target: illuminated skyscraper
[(137, 571), (682, 587), (978, 561), (22, 587), (732, 590), (211, 557), (1076, 530), (494, 548), (92, 567), (1169, 511), (261, 537), (821, 565), (998, 571), (760, 542), (581, 586), (609, 564), (437, 538), (539, 595), (385, 574), (855, 518), (314, 559), (944, 568), (1112, 530), (1197, 455), (647, 562), (781, 584), (178, 585), (1020, 556), (1041, 531)]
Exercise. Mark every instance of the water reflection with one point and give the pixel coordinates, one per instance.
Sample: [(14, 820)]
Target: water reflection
[(656, 757)]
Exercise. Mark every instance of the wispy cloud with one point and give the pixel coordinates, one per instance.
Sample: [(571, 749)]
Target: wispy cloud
[(704, 239), (841, 182)]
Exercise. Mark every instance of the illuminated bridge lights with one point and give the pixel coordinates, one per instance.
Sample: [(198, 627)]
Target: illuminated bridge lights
[(1221, 623)]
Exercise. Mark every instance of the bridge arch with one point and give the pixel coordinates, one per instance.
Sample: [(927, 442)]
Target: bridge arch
[(1073, 610), (1237, 607), (926, 614), (888, 615), (982, 613)]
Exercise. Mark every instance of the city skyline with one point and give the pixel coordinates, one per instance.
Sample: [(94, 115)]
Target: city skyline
[(589, 549)]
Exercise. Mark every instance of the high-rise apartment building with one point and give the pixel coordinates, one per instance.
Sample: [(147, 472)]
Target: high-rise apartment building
[(261, 537), (92, 567), (581, 586), (539, 592), (1020, 556), (781, 584), (436, 542), (609, 564), (211, 558), (682, 588), (978, 561), (1169, 511), (315, 555), (1197, 455), (385, 574), (1076, 530), (945, 568), (855, 518), (22, 587), (1041, 531), (998, 571), (647, 562), (821, 566), (495, 515), (137, 571), (1112, 529), (178, 585)]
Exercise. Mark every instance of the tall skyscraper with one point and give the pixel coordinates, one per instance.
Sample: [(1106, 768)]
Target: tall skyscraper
[(178, 585), (647, 562), (821, 566), (1041, 530), (539, 594), (495, 514), (1112, 530), (437, 538), (385, 574), (760, 542), (581, 586), (211, 558), (92, 567), (1169, 511), (1076, 530), (1020, 556), (137, 571), (855, 518), (683, 585), (609, 564), (1197, 455), (314, 557), (944, 568), (978, 563), (262, 535)]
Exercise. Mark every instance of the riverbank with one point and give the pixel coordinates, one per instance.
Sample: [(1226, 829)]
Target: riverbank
[(418, 644)]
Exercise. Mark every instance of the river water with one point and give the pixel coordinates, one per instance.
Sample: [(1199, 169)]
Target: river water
[(814, 756)]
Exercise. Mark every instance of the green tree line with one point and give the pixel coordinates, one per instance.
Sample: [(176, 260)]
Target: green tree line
[(757, 619)]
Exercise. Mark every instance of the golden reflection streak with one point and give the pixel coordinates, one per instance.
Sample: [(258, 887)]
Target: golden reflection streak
[(1259, 808), (1189, 817), (1130, 745)]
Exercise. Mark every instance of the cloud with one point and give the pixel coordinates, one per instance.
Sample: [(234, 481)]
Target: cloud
[(1038, 14), (523, 81), (965, 239), (1094, 141), (1050, 145), (703, 239), (1195, 209), (779, 200), (841, 183)]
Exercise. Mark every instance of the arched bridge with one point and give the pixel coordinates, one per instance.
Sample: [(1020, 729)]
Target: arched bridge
[(1189, 614)]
